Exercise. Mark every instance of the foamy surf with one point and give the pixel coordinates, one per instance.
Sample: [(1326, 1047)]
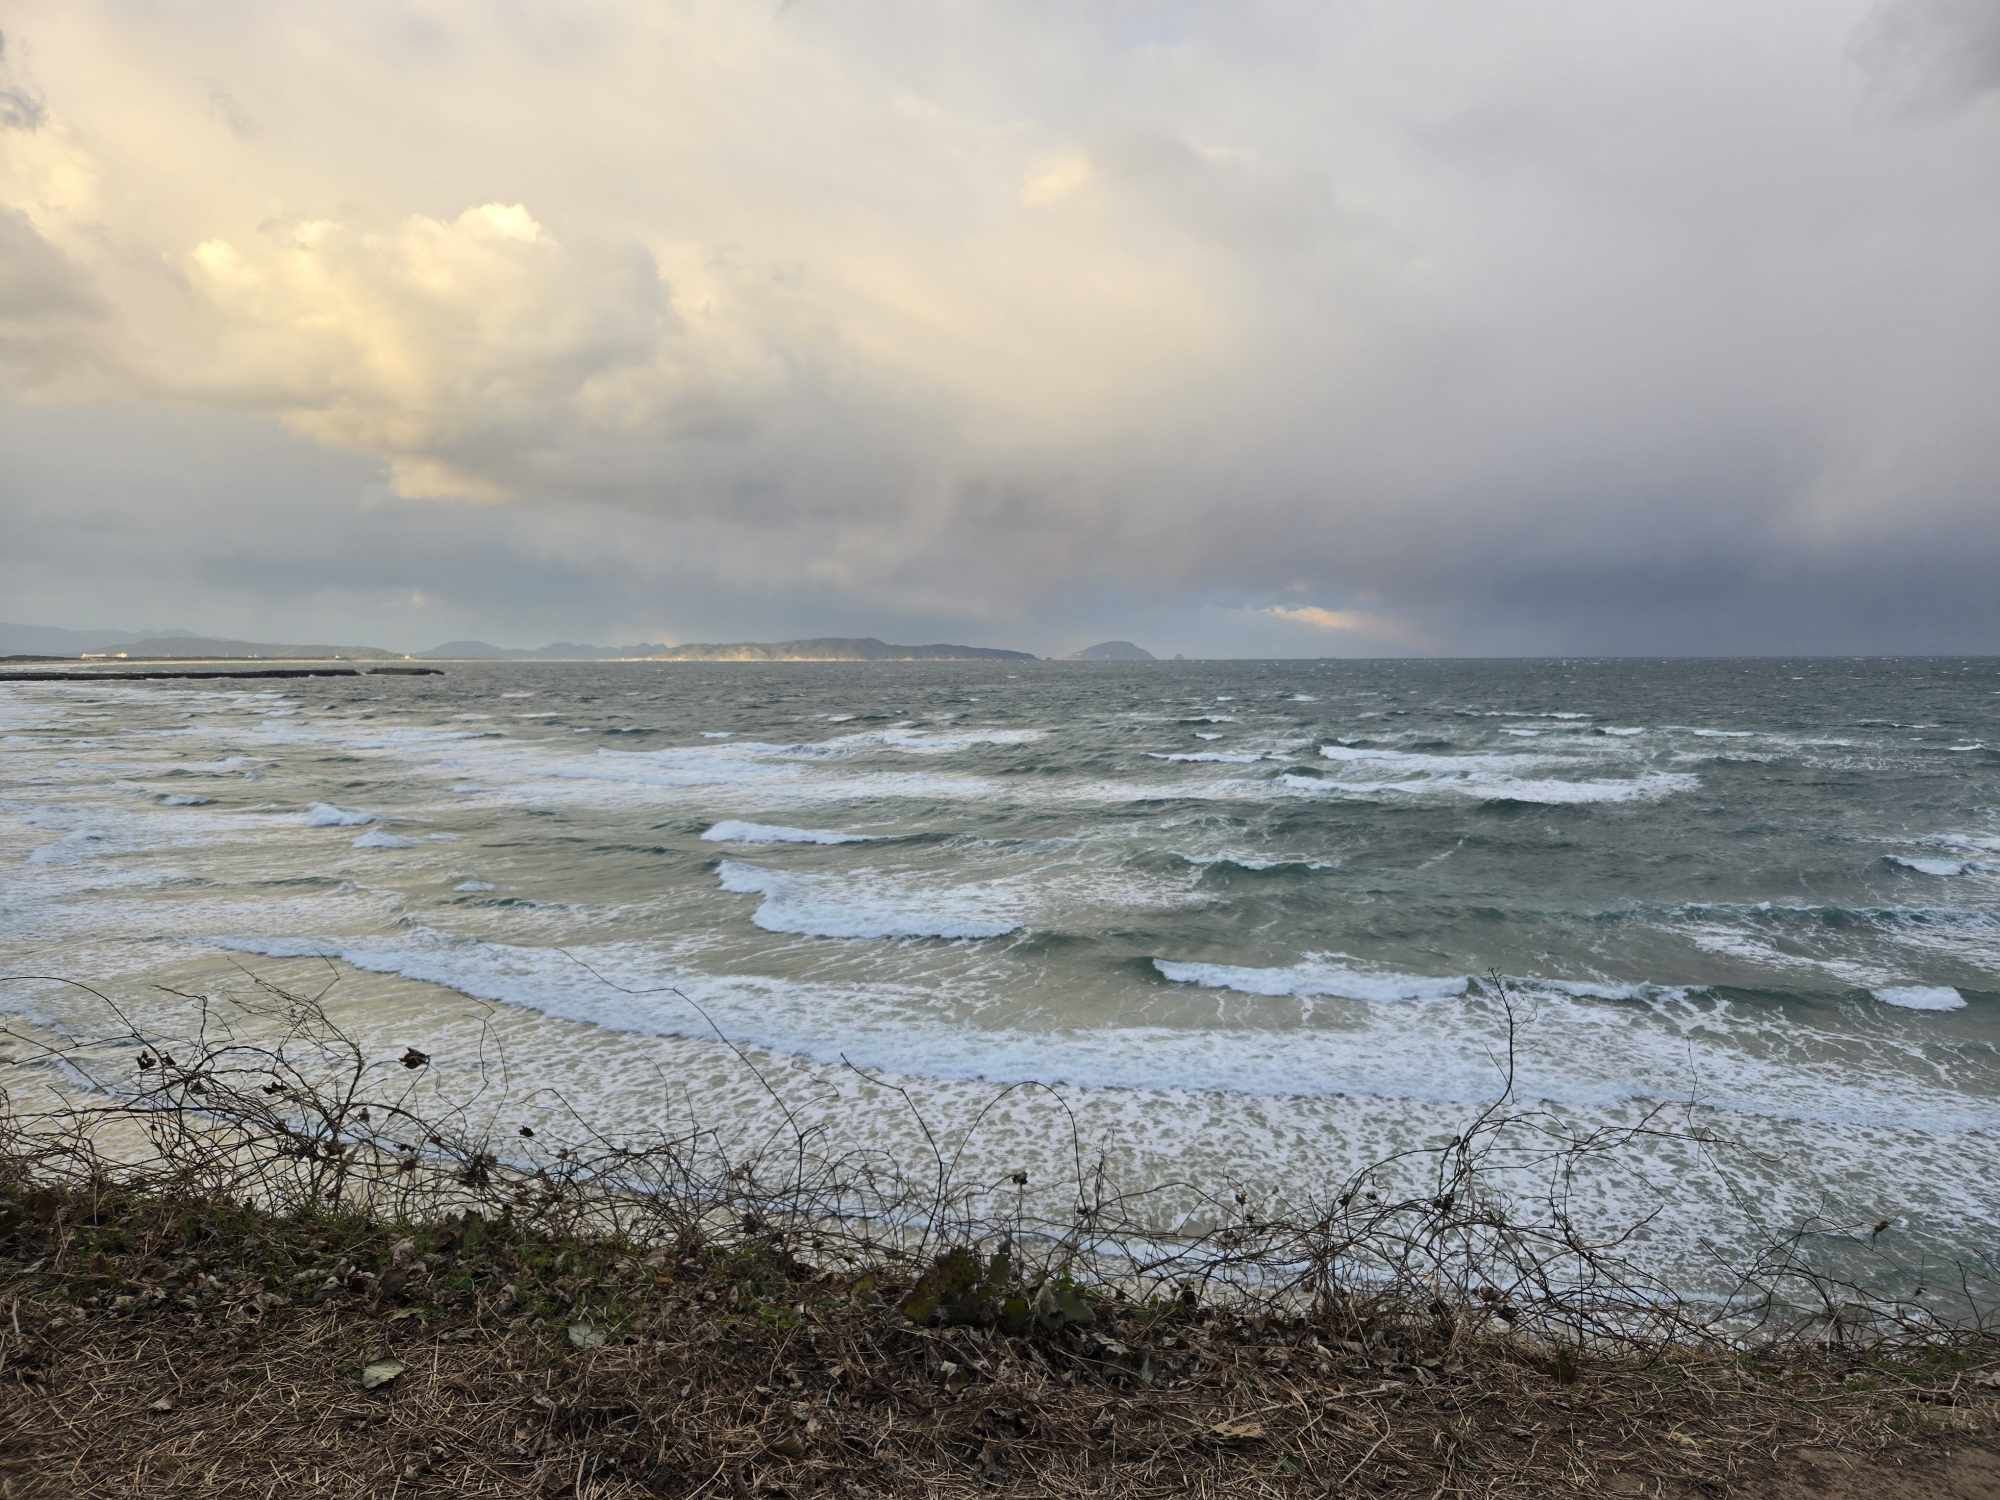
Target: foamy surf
[(326, 815), (864, 904), (1921, 997), (1927, 866), (735, 831), (376, 838), (1491, 788), (1314, 975)]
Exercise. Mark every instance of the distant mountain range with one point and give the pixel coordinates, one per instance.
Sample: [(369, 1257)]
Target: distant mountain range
[(818, 648), (49, 640), (1112, 651)]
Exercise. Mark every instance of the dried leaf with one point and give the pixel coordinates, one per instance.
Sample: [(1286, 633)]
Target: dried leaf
[(583, 1336), (1237, 1430), (164, 1404), (379, 1374)]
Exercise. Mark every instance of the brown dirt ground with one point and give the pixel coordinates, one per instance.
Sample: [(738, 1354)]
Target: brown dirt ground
[(147, 1351)]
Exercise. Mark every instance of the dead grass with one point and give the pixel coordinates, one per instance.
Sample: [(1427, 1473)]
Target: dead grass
[(157, 1347)]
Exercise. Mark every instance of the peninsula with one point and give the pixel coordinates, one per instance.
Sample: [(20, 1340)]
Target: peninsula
[(817, 648)]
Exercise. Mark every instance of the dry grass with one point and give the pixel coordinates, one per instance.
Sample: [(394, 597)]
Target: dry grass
[(155, 1348)]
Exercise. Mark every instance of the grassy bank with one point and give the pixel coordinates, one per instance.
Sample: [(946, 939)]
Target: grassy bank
[(154, 1346), (261, 1257)]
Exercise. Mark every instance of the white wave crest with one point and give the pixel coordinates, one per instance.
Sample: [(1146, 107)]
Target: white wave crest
[(860, 904), (1415, 763), (1921, 996), (326, 815), (735, 831), (375, 838), (1646, 788), (1315, 975), (1933, 866)]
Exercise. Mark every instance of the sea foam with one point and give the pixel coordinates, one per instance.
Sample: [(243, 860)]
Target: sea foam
[(1921, 996), (863, 904), (735, 831), (375, 838), (326, 815), (1315, 975)]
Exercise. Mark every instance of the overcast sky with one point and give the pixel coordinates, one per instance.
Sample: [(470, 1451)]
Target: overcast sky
[(1348, 328)]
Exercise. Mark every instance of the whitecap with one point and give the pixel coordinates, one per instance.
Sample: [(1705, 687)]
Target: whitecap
[(930, 742), (1315, 975), (860, 904), (735, 831), (1503, 788), (472, 886), (326, 815), (1921, 996), (375, 838), (1397, 762), (1599, 989), (1931, 866), (182, 799), (1218, 757)]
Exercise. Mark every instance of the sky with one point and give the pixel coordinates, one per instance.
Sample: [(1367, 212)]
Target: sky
[(1357, 328)]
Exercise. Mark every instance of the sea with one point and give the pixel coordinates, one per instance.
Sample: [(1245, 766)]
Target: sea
[(1248, 926)]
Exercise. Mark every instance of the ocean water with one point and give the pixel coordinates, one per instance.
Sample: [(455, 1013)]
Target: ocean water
[(1259, 923)]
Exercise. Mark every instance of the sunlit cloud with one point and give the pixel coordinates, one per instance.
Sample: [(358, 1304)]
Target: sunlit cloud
[(1344, 622), (1053, 181)]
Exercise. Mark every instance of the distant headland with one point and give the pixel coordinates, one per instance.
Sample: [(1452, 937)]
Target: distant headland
[(818, 648), (56, 644)]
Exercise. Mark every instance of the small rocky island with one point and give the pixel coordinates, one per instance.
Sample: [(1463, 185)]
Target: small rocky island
[(1112, 651)]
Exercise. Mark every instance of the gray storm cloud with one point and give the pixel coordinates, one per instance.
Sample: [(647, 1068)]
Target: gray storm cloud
[(1932, 55), (20, 108), (1372, 329)]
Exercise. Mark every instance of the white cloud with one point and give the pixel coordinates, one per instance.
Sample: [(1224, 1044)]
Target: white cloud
[(1054, 180)]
